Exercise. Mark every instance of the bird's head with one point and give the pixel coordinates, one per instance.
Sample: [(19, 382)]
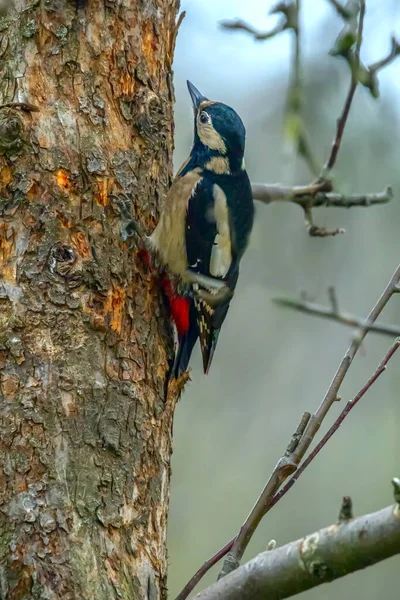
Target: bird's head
[(218, 130)]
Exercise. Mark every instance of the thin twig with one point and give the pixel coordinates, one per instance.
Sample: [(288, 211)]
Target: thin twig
[(341, 124), (189, 587), (345, 12), (368, 75), (315, 230), (349, 406), (394, 52), (327, 312), (295, 96), (330, 396), (258, 35), (319, 192), (312, 427), (283, 469)]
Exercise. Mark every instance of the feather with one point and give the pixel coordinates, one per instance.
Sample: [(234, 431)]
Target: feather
[(221, 255), (168, 238)]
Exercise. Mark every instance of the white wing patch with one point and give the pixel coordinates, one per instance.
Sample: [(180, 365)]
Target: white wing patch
[(221, 254)]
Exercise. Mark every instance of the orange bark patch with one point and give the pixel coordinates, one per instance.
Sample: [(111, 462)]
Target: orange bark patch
[(7, 246), (81, 245), (101, 194), (63, 180), (33, 192), (9, 387), (115, 307), (64, 221), (6, 242), (5, 175), (9, 273), (24, 583), (20, 483), (149, 47), (127, 85)]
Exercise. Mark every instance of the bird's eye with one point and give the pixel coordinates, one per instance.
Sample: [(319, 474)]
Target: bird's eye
[(204, 118)]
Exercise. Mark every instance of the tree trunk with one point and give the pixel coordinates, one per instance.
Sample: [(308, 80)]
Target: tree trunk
[(85, 417)]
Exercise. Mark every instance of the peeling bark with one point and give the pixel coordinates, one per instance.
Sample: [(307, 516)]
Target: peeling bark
[(85, 422)]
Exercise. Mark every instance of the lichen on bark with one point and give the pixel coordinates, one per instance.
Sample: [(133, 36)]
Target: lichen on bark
[(85, 422)]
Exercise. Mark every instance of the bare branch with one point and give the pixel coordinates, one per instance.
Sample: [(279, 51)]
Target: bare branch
[(327, 312), (394, 52), (294, 455), (312, 426), (288, 20), (368, 75), (258, 35), (331, 394), (310, 196), (349, 406), (283, 469), (341, 124), (318, 558), (396, 490), (346, 12), (316, 230), (348, 45), (191, 584), (294, 121)]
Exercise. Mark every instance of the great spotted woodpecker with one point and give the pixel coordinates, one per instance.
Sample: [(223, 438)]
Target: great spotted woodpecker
[(204, 229)]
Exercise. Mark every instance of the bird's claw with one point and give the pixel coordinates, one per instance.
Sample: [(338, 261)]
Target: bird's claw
[(208, 282)]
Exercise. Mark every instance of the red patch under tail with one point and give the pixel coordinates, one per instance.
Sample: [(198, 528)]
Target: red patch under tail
[(179, 306)]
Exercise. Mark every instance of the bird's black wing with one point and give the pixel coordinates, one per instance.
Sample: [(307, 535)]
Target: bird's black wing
[(201, 237), (200, 227)]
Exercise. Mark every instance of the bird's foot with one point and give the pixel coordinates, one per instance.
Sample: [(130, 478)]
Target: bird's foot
[(209, 283), (222, 296), (211, 290)]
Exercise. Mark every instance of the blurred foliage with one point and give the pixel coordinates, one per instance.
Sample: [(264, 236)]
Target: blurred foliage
[(273, 364)]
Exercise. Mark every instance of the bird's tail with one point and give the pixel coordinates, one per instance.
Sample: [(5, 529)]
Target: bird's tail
[(209, 324)]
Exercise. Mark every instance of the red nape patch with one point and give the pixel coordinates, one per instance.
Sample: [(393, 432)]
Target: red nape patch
[(179, 306)]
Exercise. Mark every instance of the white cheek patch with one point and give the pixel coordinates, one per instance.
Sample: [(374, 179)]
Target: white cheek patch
[(221, 254), (210, 137)]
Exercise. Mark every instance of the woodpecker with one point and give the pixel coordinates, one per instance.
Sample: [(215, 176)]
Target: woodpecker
[(204, 229)]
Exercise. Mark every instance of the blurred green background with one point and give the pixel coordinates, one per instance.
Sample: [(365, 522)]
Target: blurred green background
[(271, 363)]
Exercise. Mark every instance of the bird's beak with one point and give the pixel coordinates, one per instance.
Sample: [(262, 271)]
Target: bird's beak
[(197, 98)]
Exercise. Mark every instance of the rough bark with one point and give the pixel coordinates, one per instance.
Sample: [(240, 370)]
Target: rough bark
[(85, 430)]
